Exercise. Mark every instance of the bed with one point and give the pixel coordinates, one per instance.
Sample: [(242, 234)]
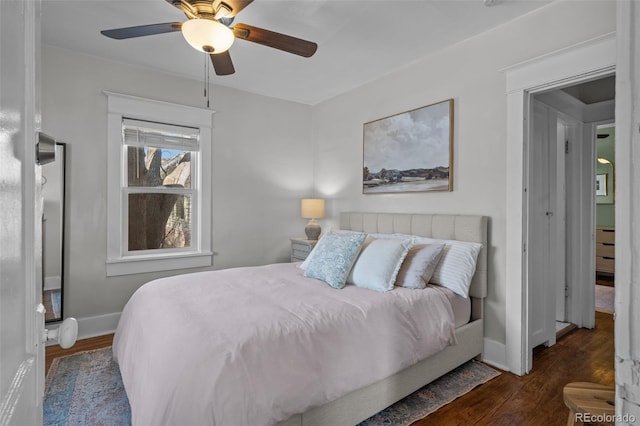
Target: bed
[(180, 366)]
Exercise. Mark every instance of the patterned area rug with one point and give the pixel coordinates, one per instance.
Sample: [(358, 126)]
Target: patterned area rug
[(436, 394), (86, 389), (56, 299)]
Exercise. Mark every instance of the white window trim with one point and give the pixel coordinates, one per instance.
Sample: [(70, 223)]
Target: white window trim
[(118, 261)]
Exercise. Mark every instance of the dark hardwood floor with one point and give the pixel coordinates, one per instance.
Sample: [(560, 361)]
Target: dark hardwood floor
[(535, 399)]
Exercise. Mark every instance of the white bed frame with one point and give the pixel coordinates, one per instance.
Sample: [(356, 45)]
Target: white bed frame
[(361, 404)]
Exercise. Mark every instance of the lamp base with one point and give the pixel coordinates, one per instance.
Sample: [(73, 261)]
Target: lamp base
[(312, 230)]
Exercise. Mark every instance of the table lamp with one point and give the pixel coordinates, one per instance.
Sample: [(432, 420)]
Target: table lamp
[(312, 209)]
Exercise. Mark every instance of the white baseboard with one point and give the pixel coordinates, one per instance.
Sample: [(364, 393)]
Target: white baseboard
[(52, 283), (98, 325), (92, 326), (495, 354)]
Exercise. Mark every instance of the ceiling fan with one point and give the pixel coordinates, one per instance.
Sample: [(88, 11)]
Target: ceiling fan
[(208, 29)]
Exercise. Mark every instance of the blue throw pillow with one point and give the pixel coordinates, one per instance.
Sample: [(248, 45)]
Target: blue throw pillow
[(333, 258)]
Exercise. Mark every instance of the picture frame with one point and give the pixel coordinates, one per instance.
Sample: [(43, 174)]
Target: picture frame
[(409, 152), (601, 185)]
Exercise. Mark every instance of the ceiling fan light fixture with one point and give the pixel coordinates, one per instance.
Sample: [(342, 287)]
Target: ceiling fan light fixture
[(207, 35)]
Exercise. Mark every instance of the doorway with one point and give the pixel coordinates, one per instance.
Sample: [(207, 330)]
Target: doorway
[(566, 122), (605, 218), (581, 63), (561, 207)]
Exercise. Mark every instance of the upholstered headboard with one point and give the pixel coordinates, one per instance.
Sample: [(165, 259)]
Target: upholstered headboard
[(440, 226)]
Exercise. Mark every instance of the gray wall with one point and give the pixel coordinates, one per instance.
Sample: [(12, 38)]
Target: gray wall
[(471, 73), (262, 164), (261, 169)]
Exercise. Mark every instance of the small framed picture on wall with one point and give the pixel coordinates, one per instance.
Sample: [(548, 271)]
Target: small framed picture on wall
[(601, 185)]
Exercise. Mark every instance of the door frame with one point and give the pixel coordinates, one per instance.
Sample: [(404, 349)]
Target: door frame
[(585, 61)]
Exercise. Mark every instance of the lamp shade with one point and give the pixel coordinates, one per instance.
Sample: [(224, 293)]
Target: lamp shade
[(603, 160), (312, 208), (207, 35)]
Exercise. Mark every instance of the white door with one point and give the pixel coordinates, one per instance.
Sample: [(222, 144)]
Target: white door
[(581, 225), (540, 274), (21, 322), (571, 190), (558, 224), (627, 302)]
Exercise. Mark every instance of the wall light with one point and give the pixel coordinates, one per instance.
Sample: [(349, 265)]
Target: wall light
[(207, 35), (603, 160), (312, 208)]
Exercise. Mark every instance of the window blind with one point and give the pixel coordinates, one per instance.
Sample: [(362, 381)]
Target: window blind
[(149, 133)]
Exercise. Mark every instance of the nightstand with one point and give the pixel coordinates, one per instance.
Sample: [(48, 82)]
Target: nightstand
[(300, 248), (606, 250)]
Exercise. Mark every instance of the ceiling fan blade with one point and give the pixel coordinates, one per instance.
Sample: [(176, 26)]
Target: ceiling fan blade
[(283, 42), (222, 63), (142, 30)]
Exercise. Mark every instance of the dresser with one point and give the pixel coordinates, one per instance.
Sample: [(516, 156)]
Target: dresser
[(300, 248), (605, 250)]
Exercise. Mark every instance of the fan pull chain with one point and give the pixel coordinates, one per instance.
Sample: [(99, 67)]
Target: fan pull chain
[(204, 77), (207, 78), (208, 81)]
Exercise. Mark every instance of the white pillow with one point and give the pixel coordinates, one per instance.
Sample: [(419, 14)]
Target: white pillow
[(457, 263), (381, 236), (456, 266), (419, 265), (378, 264)]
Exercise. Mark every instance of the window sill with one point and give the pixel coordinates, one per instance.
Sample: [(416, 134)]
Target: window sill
[(142, 264)]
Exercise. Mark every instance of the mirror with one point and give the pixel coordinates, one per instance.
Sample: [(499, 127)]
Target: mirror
[(53, 191)]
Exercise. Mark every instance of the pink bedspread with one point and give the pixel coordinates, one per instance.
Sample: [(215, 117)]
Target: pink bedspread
[(253, 346)]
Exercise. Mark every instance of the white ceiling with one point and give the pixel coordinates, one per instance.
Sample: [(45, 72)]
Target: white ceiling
[(358, 40)]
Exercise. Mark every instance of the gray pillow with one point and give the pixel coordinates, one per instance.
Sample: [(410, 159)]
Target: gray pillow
[(419, 265)]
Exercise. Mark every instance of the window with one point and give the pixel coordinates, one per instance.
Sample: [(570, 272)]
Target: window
[(158, 208)]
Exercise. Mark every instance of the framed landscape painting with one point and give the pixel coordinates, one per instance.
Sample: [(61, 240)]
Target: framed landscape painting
[(409, 152)]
